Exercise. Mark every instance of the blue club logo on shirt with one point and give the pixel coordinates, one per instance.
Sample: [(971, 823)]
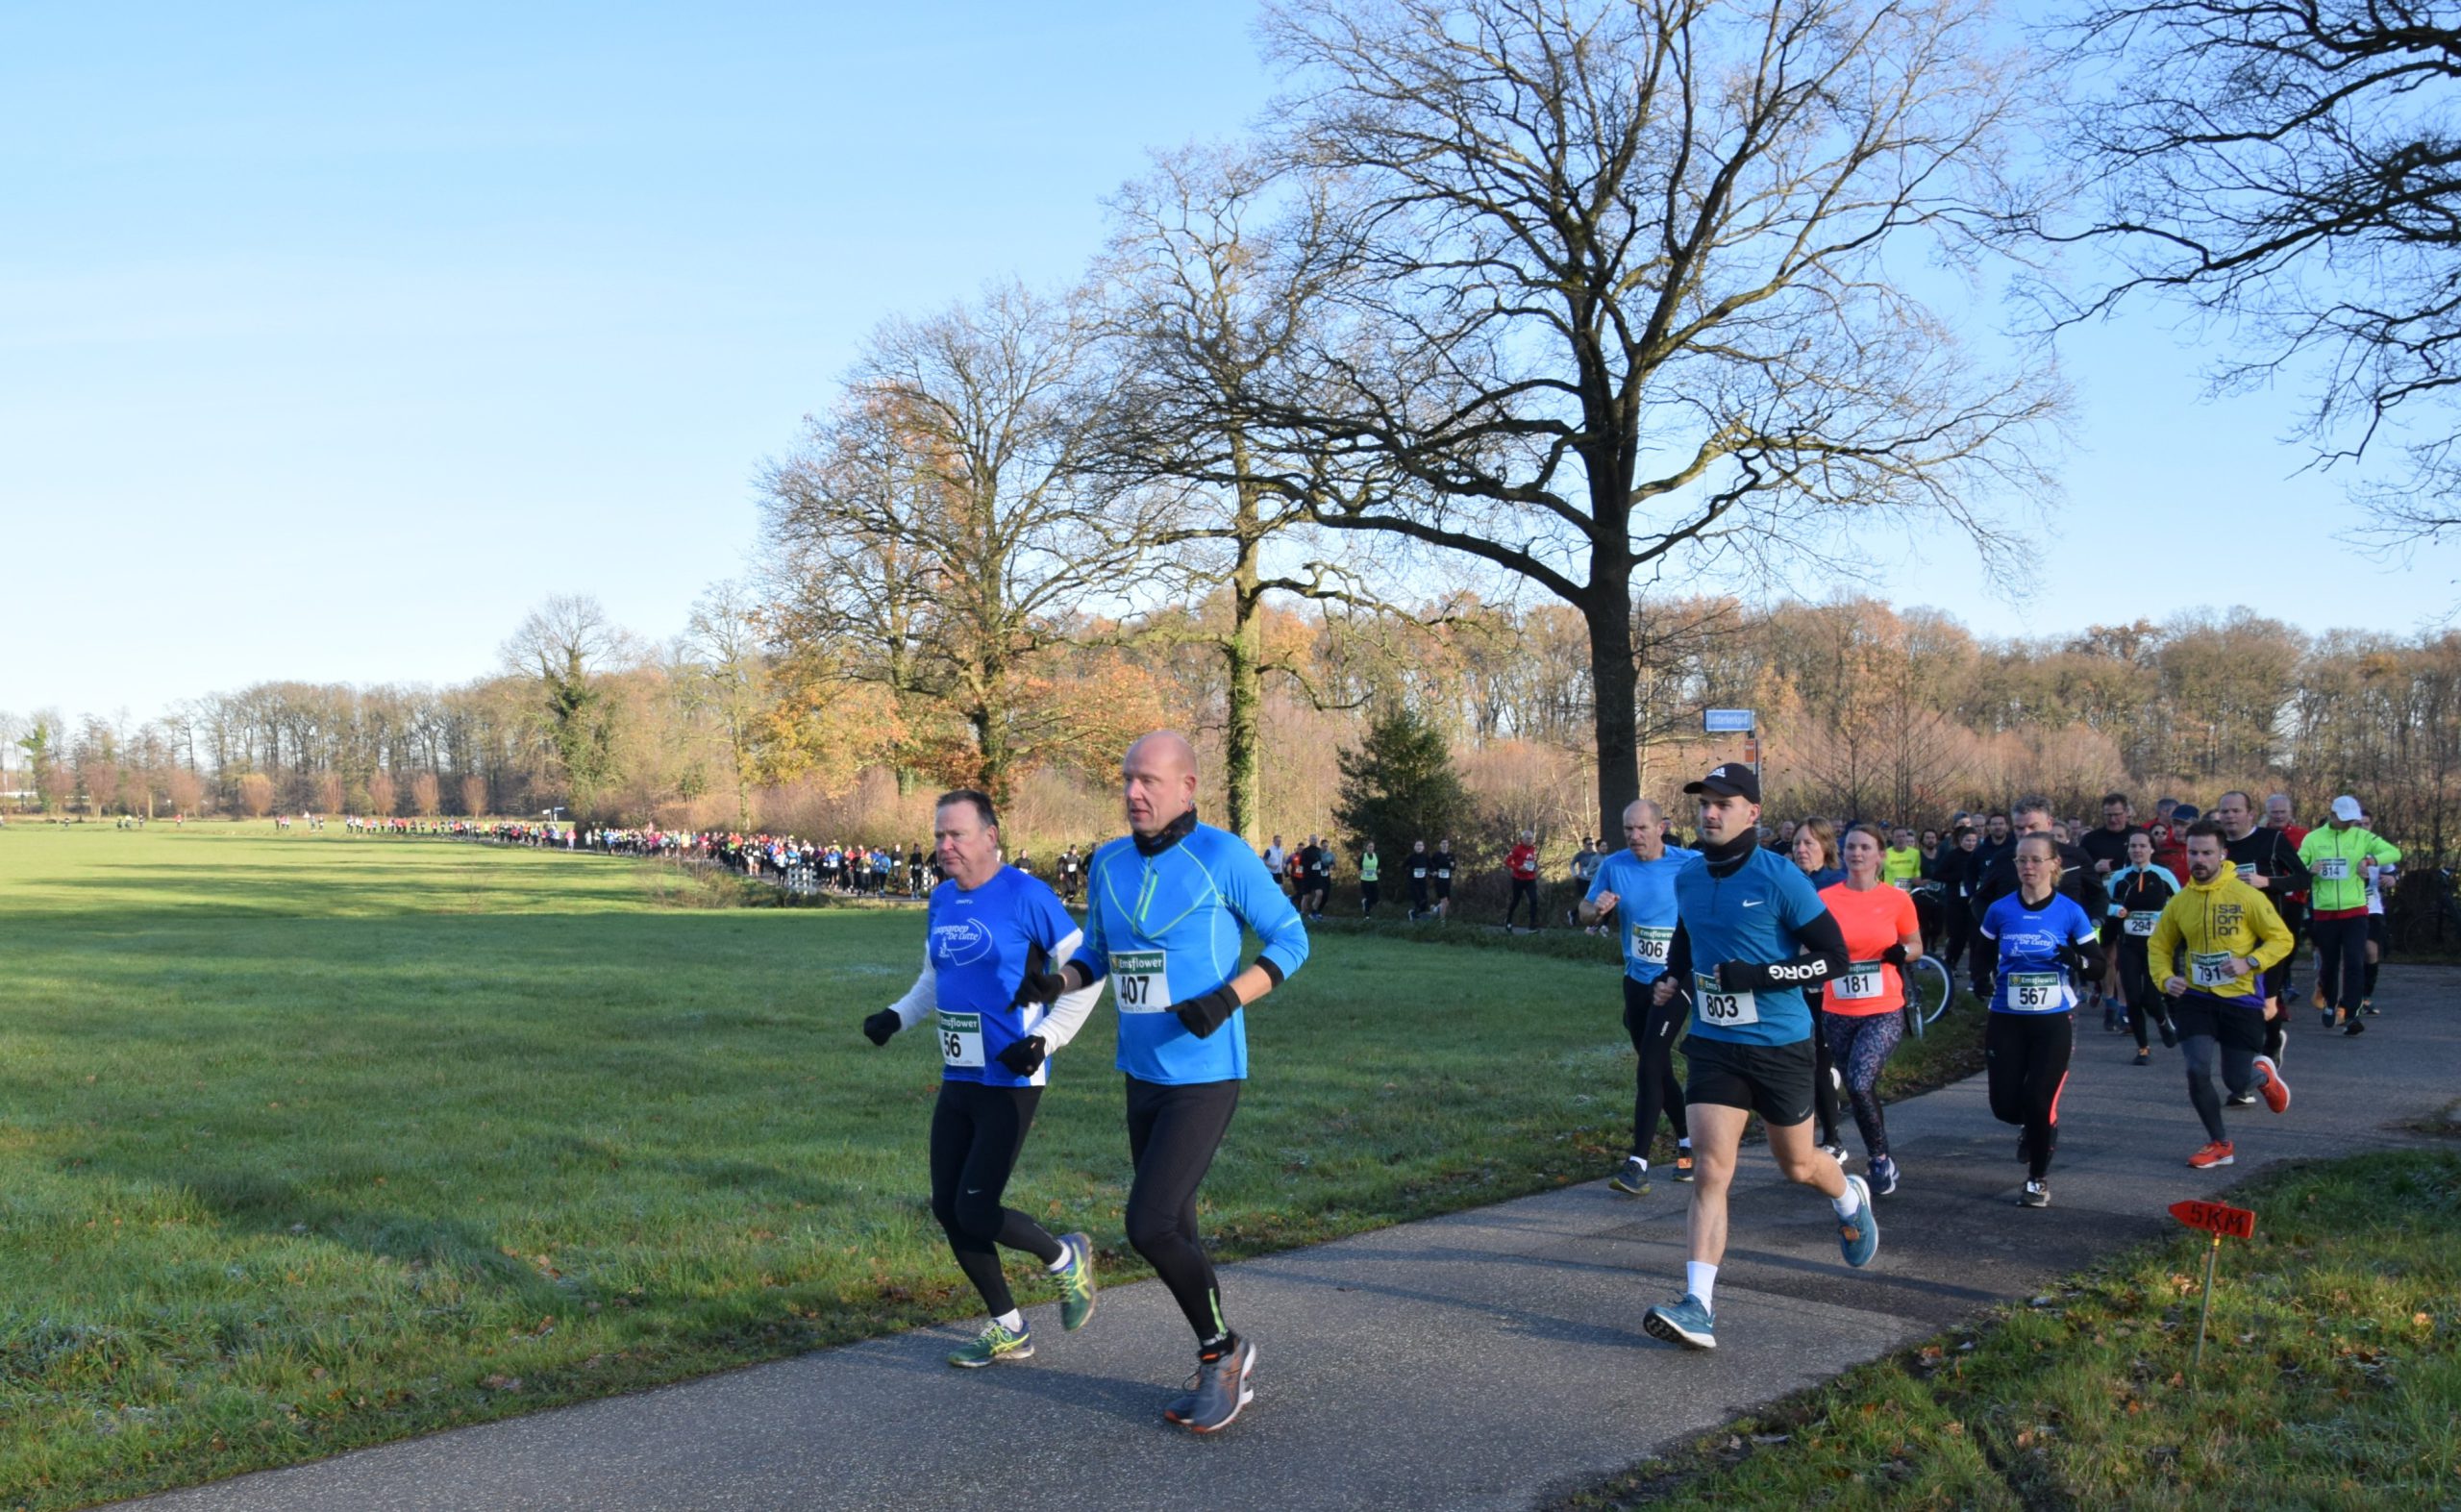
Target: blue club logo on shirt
[(960, 944)]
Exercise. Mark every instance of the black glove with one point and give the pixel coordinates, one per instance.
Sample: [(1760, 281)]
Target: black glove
[(1737, 976), (1895, 954), (1023, 1057), (1204, 1015), (2071, 960), (1040, 985), (881, 1025)]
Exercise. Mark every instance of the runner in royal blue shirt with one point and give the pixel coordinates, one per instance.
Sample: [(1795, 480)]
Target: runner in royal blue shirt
[(1752, 936), (1634, 890), (1165, 914), (2048, 944), (987, 927)]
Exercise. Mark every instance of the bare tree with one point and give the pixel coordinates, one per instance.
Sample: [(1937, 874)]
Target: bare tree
[(1626, 283), (2293, 171), (727, 672), (565, 644), (474, 795), (940, 524), (1216, 276)]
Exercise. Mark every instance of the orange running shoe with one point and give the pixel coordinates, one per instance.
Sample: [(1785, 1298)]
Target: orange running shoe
[(2220, 1152), (2270, 1086)]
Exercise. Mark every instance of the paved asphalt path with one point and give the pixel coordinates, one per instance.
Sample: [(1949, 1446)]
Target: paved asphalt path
[(1490, 1359)]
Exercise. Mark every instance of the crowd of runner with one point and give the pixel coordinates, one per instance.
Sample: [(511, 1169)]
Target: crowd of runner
[(1776, 958)]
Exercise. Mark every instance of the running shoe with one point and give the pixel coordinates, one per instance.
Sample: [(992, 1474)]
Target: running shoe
[(1883, 1177), (1687, 1323), (1859, 1238), (1683, 1166), (2143, 1057), (1077, 1283), (2270, 1086), (2329, 1015), (2220, 1152), (1224, 1385), (1834, 1151), (2240, 1099), (2367, 1005), (2170, 1035), (2037, 1194), (1632, 1177), (2357, 1025), (996, 1343), (1178, 1409)]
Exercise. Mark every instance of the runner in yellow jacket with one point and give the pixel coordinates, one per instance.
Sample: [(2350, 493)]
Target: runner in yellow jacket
[(2343, 856), (2211, 951)]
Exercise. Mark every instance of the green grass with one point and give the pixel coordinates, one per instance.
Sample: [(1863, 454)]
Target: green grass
[(309, 1142), (2331, 1377)]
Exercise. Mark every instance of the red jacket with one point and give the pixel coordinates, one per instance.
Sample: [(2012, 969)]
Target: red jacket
[(1523, 862)]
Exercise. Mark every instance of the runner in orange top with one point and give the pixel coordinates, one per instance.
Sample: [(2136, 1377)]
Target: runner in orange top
[(1861, 1016)]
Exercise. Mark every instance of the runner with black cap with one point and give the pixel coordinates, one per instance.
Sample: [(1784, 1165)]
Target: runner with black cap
[(1750, 935)]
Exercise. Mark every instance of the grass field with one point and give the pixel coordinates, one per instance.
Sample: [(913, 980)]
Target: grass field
[(309, 1142), (2331, 1378)]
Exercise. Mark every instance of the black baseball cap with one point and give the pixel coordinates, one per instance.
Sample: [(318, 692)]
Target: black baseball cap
[(1733, 780)]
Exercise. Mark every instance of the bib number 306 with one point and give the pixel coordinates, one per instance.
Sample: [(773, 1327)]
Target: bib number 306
[(1720, 1007)]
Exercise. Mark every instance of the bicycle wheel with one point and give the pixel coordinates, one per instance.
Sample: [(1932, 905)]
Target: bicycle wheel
[(1929, 993)]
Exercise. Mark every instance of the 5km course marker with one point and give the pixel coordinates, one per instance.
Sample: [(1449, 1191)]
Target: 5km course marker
[(2217, 1220)]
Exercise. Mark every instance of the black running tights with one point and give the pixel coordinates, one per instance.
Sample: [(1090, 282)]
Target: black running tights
[(2026, 1055), (976, 1134), (2238, 1073), (1655, 1091), (1173, 1132)]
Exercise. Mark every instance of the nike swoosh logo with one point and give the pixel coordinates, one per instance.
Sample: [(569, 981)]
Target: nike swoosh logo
[(1754, 903), (974, 1191)]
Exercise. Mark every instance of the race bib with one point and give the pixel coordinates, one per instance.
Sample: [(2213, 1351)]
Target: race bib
[(1719, 1006), (2209, 969), (2333, 869), (2035, 991), (1444, 875), (1139, 981), (1860, 983), (1418, 873), (2140, 923), (961, 1039), (1648, 944), (2247, 869)]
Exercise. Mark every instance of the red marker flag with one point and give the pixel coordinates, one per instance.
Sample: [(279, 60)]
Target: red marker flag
[(2215, 1218)]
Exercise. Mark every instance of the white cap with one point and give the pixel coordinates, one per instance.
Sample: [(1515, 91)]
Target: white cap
[(2345, 809)]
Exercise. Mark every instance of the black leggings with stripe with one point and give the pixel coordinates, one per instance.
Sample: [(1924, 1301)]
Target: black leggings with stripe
[(2026, 1055)]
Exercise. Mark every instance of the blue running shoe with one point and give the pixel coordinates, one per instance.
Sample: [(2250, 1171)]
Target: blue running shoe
[(1859, 1236), (1687, 1322), (1883, 1177)]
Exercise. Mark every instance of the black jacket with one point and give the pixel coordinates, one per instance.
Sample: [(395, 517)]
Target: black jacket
[(2076, 879)]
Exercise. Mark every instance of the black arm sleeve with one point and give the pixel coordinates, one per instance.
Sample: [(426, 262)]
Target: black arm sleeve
[(2091, 959), (1679, 957), (2093, 895), (1823, 958), (2293, 871)]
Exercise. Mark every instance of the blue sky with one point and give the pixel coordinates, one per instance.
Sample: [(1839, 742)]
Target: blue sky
[(332, 339)]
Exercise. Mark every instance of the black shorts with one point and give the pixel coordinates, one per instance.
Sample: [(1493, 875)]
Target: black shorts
[(2240, 1028), (1443, 889), (1772, 1081), (2376, 930)]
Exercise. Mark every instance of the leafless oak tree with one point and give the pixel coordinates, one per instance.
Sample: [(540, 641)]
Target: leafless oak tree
[(1627, 283)]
